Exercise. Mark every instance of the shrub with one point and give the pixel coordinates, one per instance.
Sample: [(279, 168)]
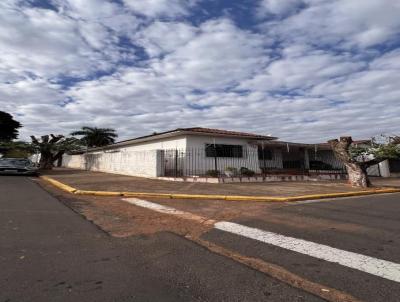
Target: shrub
[(212, 173), (232, 169), (246, 172)]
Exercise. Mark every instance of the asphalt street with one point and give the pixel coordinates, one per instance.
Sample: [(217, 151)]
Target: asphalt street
[(367, 225), (50, 253)]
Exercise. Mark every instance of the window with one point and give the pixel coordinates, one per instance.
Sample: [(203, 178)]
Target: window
[(219, 150), (264, 153)]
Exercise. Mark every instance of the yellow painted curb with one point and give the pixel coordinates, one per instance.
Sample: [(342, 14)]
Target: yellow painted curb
[(97, 193), (148, 195), (58, 184), (197, 196), (255, 198), (72, 190)]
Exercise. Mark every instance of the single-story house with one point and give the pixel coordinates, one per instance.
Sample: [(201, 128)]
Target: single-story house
[(203, 152)]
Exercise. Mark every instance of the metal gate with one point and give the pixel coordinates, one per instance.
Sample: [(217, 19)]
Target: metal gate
[(173, 162)]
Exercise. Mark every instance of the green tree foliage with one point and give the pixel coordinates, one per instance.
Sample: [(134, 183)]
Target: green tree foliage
[(96, 137), (16, 149), (376, 150), (8, 127)]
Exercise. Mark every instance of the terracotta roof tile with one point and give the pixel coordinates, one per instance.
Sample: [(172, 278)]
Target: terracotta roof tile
[(225, 132)]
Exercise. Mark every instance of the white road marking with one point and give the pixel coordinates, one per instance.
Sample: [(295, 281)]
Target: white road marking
[(168, 210), (153, 206), (381, 268)]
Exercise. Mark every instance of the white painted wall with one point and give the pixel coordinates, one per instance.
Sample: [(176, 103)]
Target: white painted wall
[(143, 159), (178, 142), (199, 142), (384, 168), (73, 161), (140, 159), (136, 163), (147, 158)]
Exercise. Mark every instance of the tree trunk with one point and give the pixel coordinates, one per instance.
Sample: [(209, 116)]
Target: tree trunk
[(46, 161), (358, 176), (357, 172)]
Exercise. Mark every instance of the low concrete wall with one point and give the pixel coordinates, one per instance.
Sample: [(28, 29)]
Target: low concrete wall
[(135, 163), (268, 178)]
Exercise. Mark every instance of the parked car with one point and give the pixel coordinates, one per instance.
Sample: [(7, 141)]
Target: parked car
[(19, 166)]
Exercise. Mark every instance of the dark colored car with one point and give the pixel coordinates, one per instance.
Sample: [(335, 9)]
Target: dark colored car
[(18, 166)]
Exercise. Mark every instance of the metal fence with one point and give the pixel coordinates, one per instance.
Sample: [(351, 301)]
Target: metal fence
[(235, 160)]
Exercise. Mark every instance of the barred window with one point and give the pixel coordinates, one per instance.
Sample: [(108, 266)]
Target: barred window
[(219, 150)]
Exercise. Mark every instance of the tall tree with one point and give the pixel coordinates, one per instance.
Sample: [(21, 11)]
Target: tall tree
[(52, 147), (16, 149), (8, 127), (358, 158), (96, 137)]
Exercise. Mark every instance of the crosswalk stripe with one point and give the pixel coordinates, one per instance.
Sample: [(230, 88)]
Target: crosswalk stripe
[(381, 268), (378, 267)]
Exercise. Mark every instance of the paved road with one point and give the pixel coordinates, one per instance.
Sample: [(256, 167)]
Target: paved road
[(49, 253), (368, 225)]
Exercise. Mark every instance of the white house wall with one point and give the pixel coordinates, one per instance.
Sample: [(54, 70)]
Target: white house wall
[(149, 159), (142, 159), (73, 161), (135, 163), (198, 142), (178, 142)]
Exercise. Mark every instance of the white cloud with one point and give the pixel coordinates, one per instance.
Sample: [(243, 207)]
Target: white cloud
[(164, 37), (160, 8), (310, 76), (302, 71), (44, 43), (279, 7), (48, 44), (220, 55), (347, 23)]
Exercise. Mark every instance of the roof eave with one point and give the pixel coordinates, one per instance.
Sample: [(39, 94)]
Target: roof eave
[(178, 133)]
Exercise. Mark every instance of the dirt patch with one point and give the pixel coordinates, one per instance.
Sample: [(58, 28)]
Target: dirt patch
[(121, 219)]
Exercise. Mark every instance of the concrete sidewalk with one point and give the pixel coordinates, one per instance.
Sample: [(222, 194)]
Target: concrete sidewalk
[(97, 181)]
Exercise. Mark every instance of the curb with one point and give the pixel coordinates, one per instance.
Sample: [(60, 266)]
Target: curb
[(59, 185), (72, 190)]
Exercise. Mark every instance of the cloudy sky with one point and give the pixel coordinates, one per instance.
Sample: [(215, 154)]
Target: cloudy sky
[(302, 70)]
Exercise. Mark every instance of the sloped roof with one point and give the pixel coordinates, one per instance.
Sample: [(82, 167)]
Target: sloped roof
[(227, 133), (186, 131)]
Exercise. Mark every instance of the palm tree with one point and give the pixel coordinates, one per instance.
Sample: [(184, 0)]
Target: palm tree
[(96, 137)]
